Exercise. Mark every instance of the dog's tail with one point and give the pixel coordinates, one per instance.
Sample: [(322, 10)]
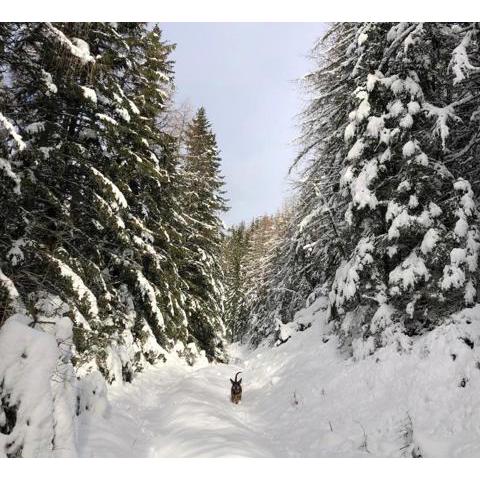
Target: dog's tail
[(236, 375)]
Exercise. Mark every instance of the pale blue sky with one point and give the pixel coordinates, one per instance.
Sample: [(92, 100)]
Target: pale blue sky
[(244, 75)]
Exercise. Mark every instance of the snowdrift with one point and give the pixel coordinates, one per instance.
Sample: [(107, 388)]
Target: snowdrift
[(420, 401)]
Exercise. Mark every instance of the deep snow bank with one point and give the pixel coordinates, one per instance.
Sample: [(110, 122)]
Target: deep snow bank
[(425, 401), (41, 398)]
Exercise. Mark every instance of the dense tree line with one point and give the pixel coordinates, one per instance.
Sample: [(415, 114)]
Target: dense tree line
[(107, 217), (385, 218), (249, 256)]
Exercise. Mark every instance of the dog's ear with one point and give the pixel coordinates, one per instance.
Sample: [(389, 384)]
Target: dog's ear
[(240, 381), (233, 383)]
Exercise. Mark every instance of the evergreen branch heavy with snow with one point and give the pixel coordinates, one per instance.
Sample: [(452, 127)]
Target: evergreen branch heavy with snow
[(97, 225)]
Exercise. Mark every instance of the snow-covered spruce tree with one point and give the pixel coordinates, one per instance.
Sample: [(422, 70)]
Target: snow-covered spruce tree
[(73, 116), (414, 225), (235, 247), (98, 222), (150, 168), (203, 204), (52, 253), (11, 145)]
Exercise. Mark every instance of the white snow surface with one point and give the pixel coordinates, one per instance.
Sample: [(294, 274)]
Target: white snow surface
[(304, 399)]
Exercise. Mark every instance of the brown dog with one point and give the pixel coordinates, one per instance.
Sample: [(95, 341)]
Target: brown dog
[(236, 392)]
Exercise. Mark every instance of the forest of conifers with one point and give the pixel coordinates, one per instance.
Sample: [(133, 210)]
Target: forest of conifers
[(112, 246)]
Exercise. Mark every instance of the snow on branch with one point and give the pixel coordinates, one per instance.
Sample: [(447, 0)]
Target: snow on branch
[(78, 285), (6, 166), (12, 292), (444, 115), (78, 47), (149, 295), (8, 126), (460, 63), (119, 197)]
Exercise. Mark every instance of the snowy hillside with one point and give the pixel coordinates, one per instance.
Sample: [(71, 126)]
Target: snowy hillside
[(304, 399)]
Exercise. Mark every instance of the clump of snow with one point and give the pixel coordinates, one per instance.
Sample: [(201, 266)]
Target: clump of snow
[(106, 118), (89, 94), (409, 149), (12, 292), (349, 131), (363, 110), (406, 121), (404, 186), (397, 86), (460, 64), (372, 79), (422, 159), (347, 276), (375, 126), (123, 112), (133, 107), (356, 151), (77, 47), (470, 293), (396, 108), (362, 196), (47, 78), (443, 115), (15, 254), (37, 384), (35, 127), (453, 276), (6, 167), (411, 271), (362, 38), (413, 201), (413, 107), (429, 241), (149, 294)]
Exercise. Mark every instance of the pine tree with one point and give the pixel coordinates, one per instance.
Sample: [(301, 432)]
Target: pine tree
[(235, 248), (99, 225), (414, 224), (203, 204)]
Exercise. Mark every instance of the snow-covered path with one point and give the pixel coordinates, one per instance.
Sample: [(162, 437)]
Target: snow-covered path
[(303, 399), (179, 411)]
